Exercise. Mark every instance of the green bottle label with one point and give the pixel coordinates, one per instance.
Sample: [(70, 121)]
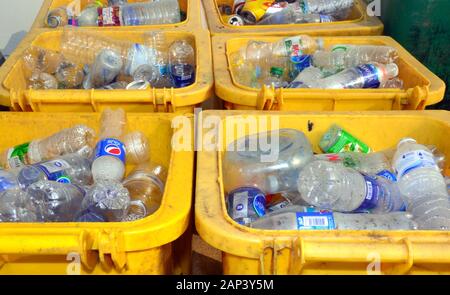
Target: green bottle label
[(348, 143), (17, 156)]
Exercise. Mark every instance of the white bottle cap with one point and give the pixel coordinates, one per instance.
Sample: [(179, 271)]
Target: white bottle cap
[(405, 140), (392, 70), (272, 184)]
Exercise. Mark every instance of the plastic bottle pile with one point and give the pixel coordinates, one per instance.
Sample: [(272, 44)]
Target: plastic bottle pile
[(62, 178), (274, 12), (284, 186), (304, 62), (115, 13), (89, 61)]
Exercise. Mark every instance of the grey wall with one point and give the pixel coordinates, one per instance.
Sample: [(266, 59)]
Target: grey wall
[(16, 18)]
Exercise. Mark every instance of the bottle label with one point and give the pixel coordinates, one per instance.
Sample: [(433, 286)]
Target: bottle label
[(388, 175), (348, 143), (54, 170), (17, 156), (325, 19), (183, 75), (110, 147), (414, 160), (315, 221), (247, 203), (371, 74), (371, 198), (109, 16)]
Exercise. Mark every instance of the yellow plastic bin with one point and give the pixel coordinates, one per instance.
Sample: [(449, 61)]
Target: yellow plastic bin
[(422, 87), (252, 251), (14, 94), (146, 246), (191, 7), (359, 23)]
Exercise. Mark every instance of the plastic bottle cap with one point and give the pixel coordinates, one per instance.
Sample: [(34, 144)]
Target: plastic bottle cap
[(272, 183), (392, 70), (405, 140), (276, 71)]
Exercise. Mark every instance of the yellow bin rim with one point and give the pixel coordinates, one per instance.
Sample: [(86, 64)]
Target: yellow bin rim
[(430, 91), (360, 24), (403, 249)]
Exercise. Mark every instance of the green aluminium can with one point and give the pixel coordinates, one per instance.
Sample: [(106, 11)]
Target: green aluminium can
[(337, 140)]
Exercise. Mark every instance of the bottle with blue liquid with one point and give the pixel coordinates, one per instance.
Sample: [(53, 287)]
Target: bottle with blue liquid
[(363, 76), (182, 63)]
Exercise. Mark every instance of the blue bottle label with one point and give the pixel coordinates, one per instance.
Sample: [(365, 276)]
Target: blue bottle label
[(110, 147), (372, 191), (183, 75), (55, 170), (315, 220), (301, 62), (371, 75), (388, 175), (325, 19)]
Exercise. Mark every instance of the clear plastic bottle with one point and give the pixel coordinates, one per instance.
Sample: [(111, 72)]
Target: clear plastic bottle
[(8, 181), (182, 63), (308, 218), (78, 139), (41, 80), (336, 8), (146, 187), (137, 147), (57, 17), (106, 67), (106, 200), (55, 201), (294, 15), (83, 47), (37, 60), (109, 160), (241, 68), (371, 163), (15, 206), (298, 50), (69, 75), (347, 56), (71, 168), (257, 56), (278, 73), (273, 168), (363, 76), (422, 184), (327, 185), (306, 78)]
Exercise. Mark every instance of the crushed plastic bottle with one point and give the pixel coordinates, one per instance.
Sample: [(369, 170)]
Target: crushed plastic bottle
[(330, 186), (269, 161), (106, 200), (308, 218), (55, 201), (15, 206)]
